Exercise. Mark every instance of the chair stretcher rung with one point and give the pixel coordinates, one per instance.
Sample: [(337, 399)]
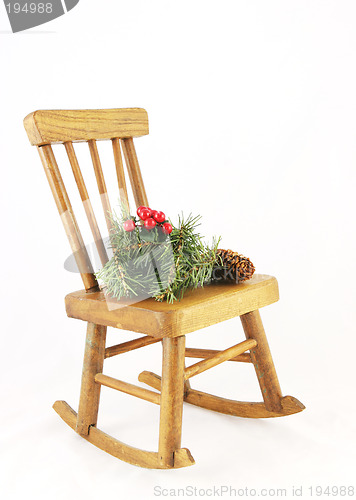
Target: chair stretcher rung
[(192, 352), (129, 346), (127, 388), (218, 358)]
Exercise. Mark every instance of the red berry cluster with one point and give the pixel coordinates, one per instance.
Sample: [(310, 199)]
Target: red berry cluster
[(150, 219)]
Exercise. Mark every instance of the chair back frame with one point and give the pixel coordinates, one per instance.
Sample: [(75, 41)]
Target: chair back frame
[(47, 127)]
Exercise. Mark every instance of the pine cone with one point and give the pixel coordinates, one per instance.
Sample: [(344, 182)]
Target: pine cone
[(232, 266)]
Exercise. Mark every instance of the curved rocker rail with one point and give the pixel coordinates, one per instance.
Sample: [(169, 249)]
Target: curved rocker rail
[(129, 454), (290, 405)]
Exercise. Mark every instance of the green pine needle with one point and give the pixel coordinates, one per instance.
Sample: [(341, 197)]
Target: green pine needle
[(149, 264)]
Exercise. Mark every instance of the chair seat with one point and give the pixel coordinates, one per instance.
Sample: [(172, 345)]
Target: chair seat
[(198, 309)]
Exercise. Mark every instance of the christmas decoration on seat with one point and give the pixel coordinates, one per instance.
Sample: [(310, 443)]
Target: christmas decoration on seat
[(154, 258)]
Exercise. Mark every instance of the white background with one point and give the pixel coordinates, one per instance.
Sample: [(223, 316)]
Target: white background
[(252, 111)]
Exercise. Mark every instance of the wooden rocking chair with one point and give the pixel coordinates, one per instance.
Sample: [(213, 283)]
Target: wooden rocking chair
[(157, 321)]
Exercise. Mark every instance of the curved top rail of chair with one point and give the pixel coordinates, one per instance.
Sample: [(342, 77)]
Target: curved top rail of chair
[(62, 125)]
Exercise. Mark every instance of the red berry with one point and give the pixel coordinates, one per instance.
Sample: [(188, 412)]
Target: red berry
[(129, 225), (139, 210), (145, 213), (159, 216), (167, 228), (150, 223)]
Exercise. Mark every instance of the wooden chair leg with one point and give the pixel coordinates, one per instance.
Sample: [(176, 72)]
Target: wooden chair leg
[(170, 455), (90, 390), (273, 405), (262, 360), (172, 394)]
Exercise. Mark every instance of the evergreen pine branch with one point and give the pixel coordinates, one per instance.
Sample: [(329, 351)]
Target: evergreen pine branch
[(164, 268)]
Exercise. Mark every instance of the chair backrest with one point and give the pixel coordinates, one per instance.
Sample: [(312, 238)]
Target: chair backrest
[(120, 126)]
